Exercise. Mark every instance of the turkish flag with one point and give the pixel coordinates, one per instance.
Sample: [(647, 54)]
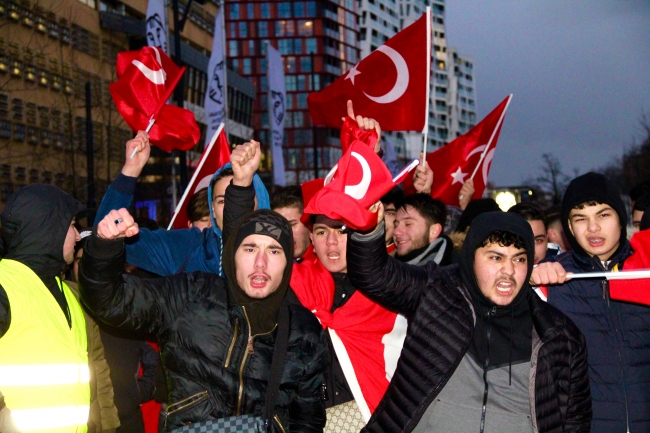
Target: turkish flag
[(146, 79), (389, 85), (356, 182), (366, 337), (634, 290), (215, 156), (454, 163)]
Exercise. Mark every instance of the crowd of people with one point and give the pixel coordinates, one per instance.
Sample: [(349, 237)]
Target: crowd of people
[(272, 318)]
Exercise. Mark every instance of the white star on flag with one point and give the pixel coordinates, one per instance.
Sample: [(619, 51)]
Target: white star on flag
[(458, 176), (352, 73)]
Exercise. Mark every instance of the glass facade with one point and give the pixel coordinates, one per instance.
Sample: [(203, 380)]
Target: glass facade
[(329, 30)]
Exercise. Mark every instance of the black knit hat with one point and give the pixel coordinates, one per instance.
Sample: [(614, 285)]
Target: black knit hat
[(270, 224), (591, 187)]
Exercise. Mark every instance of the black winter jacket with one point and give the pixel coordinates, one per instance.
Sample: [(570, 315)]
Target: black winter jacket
[(212, 370), (441, 323), (618, 336)]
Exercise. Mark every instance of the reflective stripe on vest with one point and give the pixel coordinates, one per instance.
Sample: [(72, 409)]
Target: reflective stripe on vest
[(35, 375), (43, 362), (50, 418)]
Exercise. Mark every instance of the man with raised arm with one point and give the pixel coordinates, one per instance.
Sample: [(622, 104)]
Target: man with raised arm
[(218, 336)]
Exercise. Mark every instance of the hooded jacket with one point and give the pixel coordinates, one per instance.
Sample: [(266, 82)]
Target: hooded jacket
[(165, 252), (617, 333), (215, 367), (35, 223), (445, 323)]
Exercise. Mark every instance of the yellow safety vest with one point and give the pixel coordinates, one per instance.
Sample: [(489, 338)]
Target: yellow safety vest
[(43, 363)]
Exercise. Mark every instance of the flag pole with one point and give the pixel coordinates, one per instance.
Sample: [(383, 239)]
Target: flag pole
[(496, 128), (623, 275), (226, 108), (206, 152), (425, 132)]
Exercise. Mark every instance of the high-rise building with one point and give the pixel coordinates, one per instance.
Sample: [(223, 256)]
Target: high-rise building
[(318, 41), (49, 50)]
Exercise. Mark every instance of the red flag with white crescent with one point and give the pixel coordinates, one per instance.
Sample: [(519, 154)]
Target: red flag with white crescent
[(356, 182), (389, 85), (213, 157), (146, 80), (468, 155)]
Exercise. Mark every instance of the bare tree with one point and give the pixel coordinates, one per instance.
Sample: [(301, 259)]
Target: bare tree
[(553, 181)]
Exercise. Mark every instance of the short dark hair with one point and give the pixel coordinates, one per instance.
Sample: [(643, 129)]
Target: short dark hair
[(503, 238), (643, 202), (553, 216), (198, 207), (584, 204), (394, 196), (288, 196), (432, 210), (223, 173), (529, 212)]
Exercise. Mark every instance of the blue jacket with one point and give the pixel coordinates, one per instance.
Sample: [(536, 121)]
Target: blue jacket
[(618, 343), (166, 252)]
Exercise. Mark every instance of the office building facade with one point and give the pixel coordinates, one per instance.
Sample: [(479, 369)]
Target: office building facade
[(49, 50)]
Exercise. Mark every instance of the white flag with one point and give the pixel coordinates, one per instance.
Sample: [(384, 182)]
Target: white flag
[(157, 24), (277, 95), (216, 97)]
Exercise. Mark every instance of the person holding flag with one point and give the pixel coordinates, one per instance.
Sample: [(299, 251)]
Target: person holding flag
[(482, 352), (594, 219), (166, 252)]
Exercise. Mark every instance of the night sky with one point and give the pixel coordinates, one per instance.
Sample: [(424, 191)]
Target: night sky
[(579, 72)]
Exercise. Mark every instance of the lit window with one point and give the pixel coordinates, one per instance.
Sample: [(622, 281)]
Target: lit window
[(232, 48)]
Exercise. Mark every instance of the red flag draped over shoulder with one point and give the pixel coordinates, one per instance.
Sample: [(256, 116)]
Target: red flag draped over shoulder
[(213, 157), (454, 163), (145, 80), (390, 85), (366, 337)]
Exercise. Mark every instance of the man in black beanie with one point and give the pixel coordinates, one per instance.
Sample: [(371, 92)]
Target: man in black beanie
[(217, 336), (483, 353), (617, 333)]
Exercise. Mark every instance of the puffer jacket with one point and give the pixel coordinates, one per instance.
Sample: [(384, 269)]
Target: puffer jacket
[(618, 337), (441, 323), (213, 369)]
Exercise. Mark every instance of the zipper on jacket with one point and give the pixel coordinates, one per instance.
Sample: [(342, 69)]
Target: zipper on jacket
[(485, 367), (186, 402), (276, 418), (232, 343), (249, 351)]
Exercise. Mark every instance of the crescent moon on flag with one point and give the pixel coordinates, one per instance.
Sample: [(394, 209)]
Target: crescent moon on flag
[(157, 77), (359, 191), (402, 81)]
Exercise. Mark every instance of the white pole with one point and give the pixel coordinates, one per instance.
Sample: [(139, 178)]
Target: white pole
[(225, 69), (206, 153), (623, 275), (496, 128), (425, 132)]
